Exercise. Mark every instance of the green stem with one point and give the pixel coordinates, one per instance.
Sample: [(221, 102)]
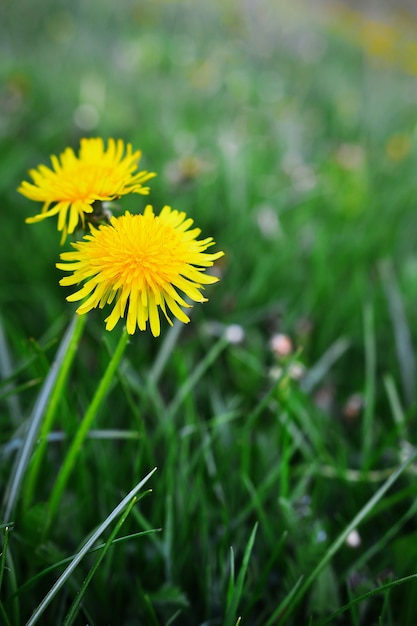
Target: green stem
[(84, 428), (36, 418), (370, 369), (54, 400)]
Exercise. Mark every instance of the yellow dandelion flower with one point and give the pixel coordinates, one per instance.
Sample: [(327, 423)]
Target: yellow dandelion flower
[(140, 262), (75, 182)]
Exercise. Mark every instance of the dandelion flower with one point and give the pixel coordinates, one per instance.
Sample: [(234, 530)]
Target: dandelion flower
[(140, 262), (75, 182)]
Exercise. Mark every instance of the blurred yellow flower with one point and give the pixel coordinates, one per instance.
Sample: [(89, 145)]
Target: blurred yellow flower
[(140, 262), (76, 182), (398, 147), (379, 39), (393, 42)]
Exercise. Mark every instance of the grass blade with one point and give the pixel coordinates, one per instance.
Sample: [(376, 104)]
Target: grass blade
[(147, 607), (402, 334), (165, 351), (280, 610), (235, 590), (3, 615), (195, 376), (365, 596), (370, 367), (72, 613), (10, 390), (13, 585), (85, 549), (54, 400), (396, 408), (12, 492), (354, 524), (316, 373), (3, 555), (68, 559), (85, 426)]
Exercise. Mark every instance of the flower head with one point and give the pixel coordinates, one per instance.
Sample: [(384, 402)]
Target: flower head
[(75, 182), (140, 262)]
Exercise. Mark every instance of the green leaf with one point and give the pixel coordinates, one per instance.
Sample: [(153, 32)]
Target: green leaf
[(82, 432), (236, 588)]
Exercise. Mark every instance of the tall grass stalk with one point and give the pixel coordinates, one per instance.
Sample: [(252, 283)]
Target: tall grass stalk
[(354, 524), (58, 371), (82, 432), (55, 398), (130, 498)]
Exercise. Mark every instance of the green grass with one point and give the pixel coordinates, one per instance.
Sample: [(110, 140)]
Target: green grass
[(260, 477)]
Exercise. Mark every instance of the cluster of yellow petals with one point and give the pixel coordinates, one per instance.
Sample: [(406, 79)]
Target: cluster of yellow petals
[(140, 262), (75, 182)]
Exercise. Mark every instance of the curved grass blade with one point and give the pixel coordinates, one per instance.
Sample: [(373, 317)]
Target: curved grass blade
[(319, 370), (383, 541), (333, 549), (365, 596), (397, 410), (280, 611), (402, 333), (58, 437), (68, 559), (13, 585), (46, 427), (11, 392), (3, 614), (168, 344), (370, 385), (85, 549), (195, 376), (64, 353), (173, 618), (3, 554), (72, 613), (19, 389), (146, 605), (235, 590)]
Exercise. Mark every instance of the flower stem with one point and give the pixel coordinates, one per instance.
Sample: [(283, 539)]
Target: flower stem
[(57, 372), (51, 409), (83, 430)]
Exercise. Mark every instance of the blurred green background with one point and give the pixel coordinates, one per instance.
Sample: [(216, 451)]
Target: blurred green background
[(267, 125)]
